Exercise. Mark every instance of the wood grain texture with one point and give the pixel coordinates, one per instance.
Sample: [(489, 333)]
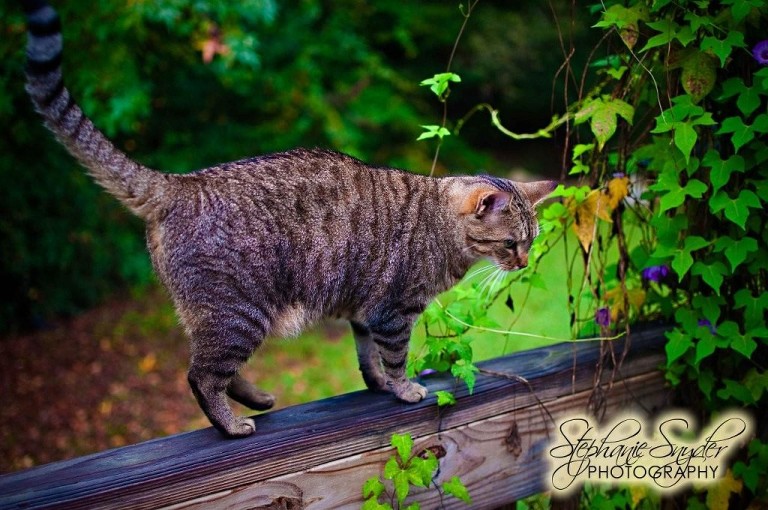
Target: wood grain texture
[(284, 463)]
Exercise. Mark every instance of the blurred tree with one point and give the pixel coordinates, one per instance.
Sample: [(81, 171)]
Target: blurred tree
[(181, 84)]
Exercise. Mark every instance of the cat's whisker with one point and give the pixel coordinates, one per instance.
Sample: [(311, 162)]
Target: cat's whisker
[(478, 271), (499, 281), (494, 282), (482, 285), (486, 290)]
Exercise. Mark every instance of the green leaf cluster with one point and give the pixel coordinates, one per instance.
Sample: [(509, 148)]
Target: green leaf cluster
[(668, 210), (406, 471), (702, 165)]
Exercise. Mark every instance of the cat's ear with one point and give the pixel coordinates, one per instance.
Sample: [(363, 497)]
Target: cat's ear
[(483, 202), (537, 191)]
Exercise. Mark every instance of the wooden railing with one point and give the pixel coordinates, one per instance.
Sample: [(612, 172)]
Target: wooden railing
[(318, 455)]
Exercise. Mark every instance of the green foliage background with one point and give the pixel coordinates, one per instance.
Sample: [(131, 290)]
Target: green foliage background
[(340, 74)]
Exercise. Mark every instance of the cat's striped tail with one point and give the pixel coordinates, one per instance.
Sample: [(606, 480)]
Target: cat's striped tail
[(136, 186)]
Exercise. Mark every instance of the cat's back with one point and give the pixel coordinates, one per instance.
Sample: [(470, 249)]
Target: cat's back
[(293, 201), (309, 186), (289, 215)]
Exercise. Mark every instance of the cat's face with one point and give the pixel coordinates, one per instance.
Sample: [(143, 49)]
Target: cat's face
[(502, 225)]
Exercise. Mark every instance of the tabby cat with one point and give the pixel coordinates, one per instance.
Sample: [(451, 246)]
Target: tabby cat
[(267, 245)]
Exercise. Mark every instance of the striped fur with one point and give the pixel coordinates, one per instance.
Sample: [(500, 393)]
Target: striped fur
[(267, 245)]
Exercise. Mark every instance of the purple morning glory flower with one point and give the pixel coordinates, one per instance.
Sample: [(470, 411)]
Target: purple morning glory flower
[(427, 371), (655, 273), (603, 317), (705, 323), (760, 52)]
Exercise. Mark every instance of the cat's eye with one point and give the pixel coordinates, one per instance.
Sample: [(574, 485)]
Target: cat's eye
[(510, 244)]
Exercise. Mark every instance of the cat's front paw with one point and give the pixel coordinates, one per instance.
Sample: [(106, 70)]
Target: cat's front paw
[(408, 391), (242, 427)]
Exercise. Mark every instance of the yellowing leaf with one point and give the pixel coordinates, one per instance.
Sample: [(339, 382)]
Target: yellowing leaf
[(719, 493), (615, 298), (618, 188), (585, 215), (638, 493), (105, 407), (147, 363), (698, 76)]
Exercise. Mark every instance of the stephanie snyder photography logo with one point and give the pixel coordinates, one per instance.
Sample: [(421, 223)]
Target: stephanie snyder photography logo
[(667, 454)]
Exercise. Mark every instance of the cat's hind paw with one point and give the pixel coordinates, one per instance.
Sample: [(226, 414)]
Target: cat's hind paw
[(408, 391)]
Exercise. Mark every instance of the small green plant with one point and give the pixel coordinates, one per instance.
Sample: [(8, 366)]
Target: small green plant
[(406, 470)]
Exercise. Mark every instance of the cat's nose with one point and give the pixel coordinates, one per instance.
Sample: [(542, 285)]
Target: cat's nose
[(523, 261)]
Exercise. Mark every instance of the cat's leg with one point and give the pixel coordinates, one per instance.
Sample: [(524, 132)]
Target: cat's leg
[(217, 355), (392, 334), (249, 395), (369, 359)]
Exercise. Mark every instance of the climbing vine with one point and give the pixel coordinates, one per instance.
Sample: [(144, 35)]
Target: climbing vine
[(660, 214)]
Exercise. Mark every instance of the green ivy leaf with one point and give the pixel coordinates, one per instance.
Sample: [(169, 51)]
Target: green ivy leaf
[(757, 383), (402, 487), (723, 47), (682, 260), (668, 31), (741, 8), (445, 398), (373, 504), (439, 83), (721, 170), (736, 210), (622, 17), (391, 468), (742, 133), (678, 344), (736, 250), (403, 443), (603, 120), (731, 87), (705, 347), (737, 391), (433, 131), (741, 343), (685, 138), (748, 101), (660, 4), (754, 307), (728, 330), (762, 74), (744, 344), (758, 460), (710, 306), (455, 488), (465, 371), (712, 274), (706, 381), (421, 471), (372, 488), (694, 188), (760, 125)]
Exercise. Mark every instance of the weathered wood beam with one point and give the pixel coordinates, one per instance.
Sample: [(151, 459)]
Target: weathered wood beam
[(317, 455)]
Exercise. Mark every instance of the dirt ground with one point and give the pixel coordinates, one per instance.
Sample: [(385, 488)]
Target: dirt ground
[(116, 375), (92, 383)]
